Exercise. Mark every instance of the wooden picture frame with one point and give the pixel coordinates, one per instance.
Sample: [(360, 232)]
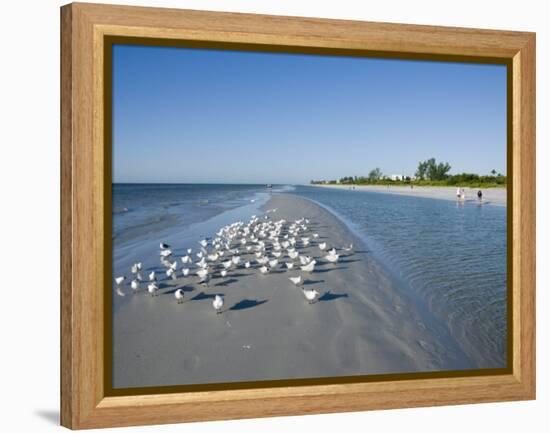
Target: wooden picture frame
[(85, 28)]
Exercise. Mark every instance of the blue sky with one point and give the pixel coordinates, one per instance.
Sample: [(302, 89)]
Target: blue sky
[(194, 116)]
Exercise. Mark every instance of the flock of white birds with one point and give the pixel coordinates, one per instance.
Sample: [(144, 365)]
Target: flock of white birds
[(261, 244)]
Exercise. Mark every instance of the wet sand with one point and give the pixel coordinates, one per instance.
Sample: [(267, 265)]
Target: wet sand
[(363, 323)]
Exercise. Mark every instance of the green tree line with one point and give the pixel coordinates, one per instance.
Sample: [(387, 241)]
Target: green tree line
[(429, 173)]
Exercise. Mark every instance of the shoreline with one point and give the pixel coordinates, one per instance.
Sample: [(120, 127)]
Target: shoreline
[(363, 323), (492, 196)]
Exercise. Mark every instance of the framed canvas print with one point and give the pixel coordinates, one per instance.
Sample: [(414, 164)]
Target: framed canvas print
[(269, 216)]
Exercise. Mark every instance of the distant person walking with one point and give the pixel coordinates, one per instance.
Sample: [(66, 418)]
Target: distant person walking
[(458, 193), (479, 195)]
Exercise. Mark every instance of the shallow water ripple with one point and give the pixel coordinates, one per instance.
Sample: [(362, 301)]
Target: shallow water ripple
[(452, 256)]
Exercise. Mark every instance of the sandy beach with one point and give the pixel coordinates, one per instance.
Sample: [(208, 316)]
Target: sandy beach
[(363, 323), (494, 196)]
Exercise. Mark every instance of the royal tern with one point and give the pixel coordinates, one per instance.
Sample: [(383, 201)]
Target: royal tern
[(310, 295), (217, 303)]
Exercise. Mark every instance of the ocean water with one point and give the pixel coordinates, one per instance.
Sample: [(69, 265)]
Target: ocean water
[(147, 209), (179, 214), (450, 257)]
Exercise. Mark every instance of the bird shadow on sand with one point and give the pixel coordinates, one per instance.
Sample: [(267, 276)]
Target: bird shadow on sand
[(226, 282), (328, 296), (330, 269), (277, 271), (240, 275), (309, 282), (349, 260), (202, 296), (245, 304), (173, 290)]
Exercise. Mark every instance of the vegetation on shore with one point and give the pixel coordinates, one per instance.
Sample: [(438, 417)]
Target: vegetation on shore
[(428, 173)]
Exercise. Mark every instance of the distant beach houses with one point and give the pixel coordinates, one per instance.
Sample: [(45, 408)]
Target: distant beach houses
[(397, 177)]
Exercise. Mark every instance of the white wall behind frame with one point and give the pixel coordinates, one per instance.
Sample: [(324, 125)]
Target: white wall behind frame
[(29, 151)]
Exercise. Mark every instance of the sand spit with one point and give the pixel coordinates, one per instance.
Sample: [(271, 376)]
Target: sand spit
[(363, 322)]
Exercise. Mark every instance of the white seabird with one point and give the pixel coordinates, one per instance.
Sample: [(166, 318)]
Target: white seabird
[(185, 259), (309, 267), (293, 254), (289, 265), (165, 253), (134, 284), (178, 294), (213, 257), (171, 273), (310, 295), (217, 303), (152, 289), (204, 276), (119, 280), (152, 276), (332, 258), (296, 280)]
